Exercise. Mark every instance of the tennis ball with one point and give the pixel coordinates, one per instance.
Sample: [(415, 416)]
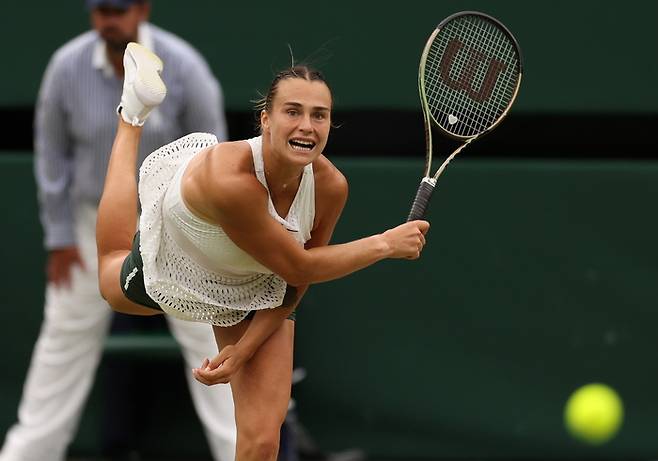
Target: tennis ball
[(594, 413)]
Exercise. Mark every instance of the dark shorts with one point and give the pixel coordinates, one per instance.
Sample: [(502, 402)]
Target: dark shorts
[(292, 316), (132, 278), (132, 281)]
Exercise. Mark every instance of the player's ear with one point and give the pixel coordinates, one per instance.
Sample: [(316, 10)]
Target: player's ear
[(264, 120)]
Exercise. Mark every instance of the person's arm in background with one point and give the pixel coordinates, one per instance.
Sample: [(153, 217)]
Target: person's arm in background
[(53, 173), (203, 100)]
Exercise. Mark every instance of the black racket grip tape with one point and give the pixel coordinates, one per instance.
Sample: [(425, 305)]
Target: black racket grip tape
[(421, 201)]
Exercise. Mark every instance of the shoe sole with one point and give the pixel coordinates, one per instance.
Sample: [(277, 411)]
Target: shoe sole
[(149, 87)]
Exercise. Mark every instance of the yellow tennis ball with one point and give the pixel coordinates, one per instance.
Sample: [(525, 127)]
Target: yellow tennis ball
[(594, 413)]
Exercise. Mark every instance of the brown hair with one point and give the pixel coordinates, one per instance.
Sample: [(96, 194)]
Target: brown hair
[(298, 71)]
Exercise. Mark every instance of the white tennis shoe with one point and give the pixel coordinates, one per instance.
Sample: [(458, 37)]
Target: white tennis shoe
[(143, 89)]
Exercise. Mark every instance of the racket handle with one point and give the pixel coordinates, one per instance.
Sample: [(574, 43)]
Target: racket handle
[(422, 199)]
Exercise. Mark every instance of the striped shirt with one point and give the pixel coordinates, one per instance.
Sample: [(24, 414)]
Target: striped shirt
[(76, 120)]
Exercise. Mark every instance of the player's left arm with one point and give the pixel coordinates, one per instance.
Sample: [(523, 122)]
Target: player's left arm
[(331, 195)]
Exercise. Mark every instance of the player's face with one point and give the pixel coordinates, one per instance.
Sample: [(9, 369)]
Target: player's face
[(297, 125), (118, 27)]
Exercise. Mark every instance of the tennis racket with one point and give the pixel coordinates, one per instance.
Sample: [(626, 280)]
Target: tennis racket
[(469, 75)]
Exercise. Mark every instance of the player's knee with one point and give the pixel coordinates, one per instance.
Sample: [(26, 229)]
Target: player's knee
[(108, 293), (108, 286), (263, 446), (260, 438), (103, 286)]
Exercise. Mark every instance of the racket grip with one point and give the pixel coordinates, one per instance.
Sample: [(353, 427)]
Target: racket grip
[(422, 199)]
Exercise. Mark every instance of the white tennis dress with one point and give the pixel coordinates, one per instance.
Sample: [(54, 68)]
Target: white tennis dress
[(192, 269)]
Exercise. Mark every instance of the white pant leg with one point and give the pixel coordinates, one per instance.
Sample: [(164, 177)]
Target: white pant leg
[(214, 404), (63, 364)]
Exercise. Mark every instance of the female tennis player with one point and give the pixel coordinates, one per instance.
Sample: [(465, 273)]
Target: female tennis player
[(232, 234)]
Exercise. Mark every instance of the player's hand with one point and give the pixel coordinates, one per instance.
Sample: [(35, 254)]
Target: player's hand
[(407, 240), (60, 265), (222, 367)]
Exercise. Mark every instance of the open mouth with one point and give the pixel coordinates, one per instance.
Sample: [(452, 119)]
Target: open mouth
[(301, 145)]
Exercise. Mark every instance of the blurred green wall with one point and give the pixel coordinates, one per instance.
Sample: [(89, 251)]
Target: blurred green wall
[(580, 56), (538, 277)]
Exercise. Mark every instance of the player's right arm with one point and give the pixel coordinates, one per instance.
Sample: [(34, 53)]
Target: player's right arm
[(238, 203)]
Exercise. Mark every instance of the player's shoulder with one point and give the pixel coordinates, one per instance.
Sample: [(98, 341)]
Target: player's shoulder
[(230, 168), (328, 179), (236, 155), (233, 183)]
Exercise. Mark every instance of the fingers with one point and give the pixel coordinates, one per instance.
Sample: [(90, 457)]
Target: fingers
[(416, 254), (210, 376), (407, 240), (422, 225), (204, 378), (221, 368), (217, 361)]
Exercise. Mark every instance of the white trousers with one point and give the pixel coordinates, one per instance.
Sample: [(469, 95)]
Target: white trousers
[(66, 356)]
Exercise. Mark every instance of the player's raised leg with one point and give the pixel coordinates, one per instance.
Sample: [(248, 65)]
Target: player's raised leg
[(143, 89)]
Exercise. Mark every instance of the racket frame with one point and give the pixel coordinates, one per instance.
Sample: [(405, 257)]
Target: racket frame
[(428, 182)]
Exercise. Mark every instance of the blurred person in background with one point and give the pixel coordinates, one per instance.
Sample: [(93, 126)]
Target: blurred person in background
[(75, 124)]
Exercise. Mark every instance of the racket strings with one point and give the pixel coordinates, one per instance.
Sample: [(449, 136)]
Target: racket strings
[(480, 109), (480, 114), (470, 76), (477, 38), (494, 106), (503, 51)]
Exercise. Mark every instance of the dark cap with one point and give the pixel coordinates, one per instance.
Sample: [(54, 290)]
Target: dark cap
[(120, 4)]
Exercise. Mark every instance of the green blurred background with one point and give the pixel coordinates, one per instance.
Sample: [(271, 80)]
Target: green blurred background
[(584, 55), (540, 272)]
